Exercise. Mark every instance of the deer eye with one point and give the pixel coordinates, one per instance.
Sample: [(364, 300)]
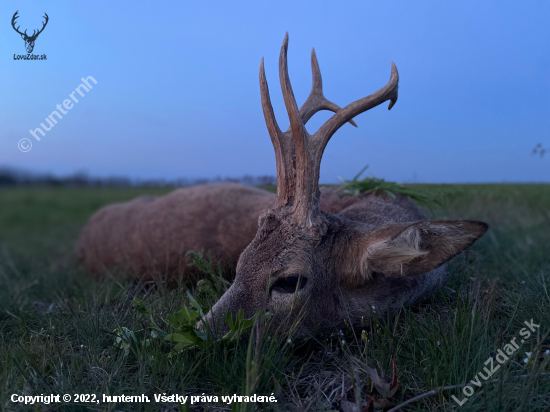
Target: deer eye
[(289, 284)]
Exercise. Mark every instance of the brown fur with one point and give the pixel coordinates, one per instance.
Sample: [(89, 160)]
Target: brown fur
[(148, 237)]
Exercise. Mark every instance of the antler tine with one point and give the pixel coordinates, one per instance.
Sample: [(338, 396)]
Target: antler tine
[(316, 101), (299, 132), (270, 120), (15, 17), (306, 196), (44, 24), (277, 138), (388, 92)]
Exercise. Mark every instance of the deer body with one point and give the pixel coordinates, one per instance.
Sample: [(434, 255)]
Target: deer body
[(148, 237)]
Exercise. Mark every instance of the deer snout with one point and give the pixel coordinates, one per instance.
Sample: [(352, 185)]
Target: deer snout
[(215, 318), (236, 298), (213, 323)]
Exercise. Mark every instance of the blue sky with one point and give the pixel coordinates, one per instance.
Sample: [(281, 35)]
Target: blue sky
[(178, 94)]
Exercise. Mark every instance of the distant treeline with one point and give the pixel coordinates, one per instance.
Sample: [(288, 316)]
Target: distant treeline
[(11, 177)]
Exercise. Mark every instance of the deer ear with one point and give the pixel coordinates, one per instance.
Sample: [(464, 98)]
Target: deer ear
[(403, 249)]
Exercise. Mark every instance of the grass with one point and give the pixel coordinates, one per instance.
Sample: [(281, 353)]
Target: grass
[(375, 185), (59, 326)]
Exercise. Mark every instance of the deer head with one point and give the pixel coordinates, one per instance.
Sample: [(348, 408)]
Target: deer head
[(330, 268), (29, 40)]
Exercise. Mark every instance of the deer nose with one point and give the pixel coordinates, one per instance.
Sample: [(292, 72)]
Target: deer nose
[(233, 300), (214, 321)]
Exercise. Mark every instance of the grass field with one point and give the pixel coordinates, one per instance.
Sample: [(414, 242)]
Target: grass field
[(57, 323)]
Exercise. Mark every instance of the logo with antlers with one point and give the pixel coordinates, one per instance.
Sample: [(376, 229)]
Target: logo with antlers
[(29, 40)]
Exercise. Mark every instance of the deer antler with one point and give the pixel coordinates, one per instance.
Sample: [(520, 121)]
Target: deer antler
[(283, 142), (298, 154), (43, 25), (34, 33), (15, 16)]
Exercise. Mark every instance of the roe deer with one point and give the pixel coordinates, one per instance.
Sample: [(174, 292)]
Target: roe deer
[(305, 250), (377, 254)]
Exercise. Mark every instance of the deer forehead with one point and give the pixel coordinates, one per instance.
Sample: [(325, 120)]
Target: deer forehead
[(278, 251)]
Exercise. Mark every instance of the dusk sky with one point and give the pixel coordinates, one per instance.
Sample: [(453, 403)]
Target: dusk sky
[(177, 91)]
